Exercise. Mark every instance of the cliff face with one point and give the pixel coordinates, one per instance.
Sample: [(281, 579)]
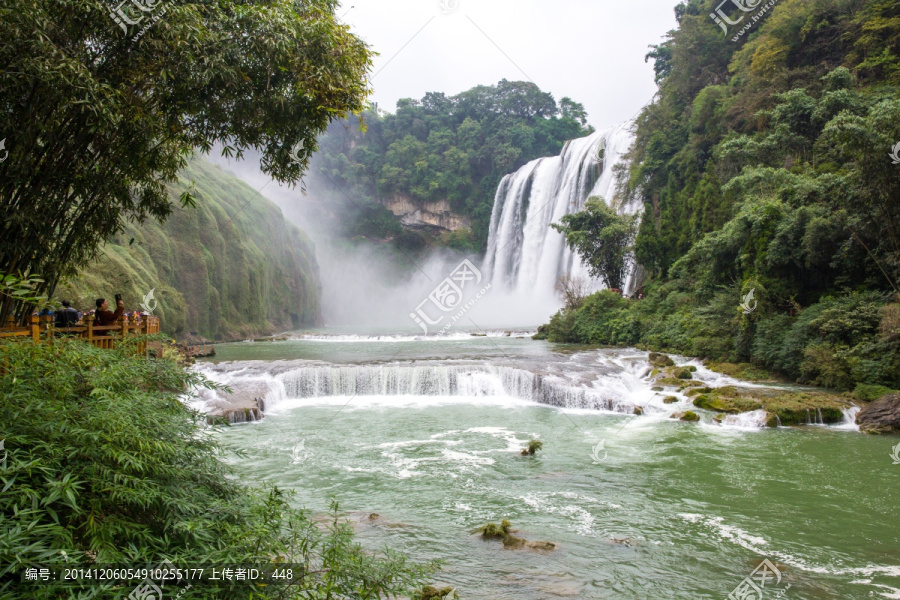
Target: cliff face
[(230, 268), (417, 215)]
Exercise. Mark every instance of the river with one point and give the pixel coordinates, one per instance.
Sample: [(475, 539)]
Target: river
[(426, 433)]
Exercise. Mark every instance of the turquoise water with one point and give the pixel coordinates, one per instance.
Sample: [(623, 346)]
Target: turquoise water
[(659, 509)]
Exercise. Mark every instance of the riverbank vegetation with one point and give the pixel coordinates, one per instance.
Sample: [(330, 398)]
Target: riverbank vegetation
[(103, 464), (770, 234)]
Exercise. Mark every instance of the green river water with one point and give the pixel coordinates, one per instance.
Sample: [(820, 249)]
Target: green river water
[(640, 507)]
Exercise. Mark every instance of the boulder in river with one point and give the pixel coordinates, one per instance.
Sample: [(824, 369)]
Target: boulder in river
[(661, 360), (432, 593), (881, 416)]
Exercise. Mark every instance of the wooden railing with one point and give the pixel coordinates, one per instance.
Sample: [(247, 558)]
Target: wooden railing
[(43, 330), (199, 350)]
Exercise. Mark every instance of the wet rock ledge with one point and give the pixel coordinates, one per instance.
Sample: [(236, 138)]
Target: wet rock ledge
[(244, 404), (881, 416)]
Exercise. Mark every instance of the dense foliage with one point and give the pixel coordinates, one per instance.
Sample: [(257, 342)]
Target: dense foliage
[(229, 268), (98, 117), (765, 166), (602, 237), (103, 464), (442, 149)]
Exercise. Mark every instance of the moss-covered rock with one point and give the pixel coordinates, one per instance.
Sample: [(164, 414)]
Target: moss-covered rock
[(432, 593), (492, 530), (800, 408), (783, 408), (698, 390), (725, 405), (745, 371), (532, 448), (690, 416), (505, 532), (670, 400), (660, 360)]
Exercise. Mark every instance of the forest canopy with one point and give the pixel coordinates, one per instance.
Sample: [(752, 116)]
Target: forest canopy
[(453, 148)]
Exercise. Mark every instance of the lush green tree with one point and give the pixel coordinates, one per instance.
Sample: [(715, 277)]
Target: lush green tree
[(602, 237), (98, 120)]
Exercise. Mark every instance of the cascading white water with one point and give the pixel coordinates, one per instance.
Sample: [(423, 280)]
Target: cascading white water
[(524, 253), (319, 382)]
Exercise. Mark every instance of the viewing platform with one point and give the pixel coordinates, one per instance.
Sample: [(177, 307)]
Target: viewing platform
[(43, 330)]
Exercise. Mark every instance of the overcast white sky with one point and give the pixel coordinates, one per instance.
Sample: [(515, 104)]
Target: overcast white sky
[(590, 50)]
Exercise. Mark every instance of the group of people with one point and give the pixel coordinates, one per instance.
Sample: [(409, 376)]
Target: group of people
[(68, 316)]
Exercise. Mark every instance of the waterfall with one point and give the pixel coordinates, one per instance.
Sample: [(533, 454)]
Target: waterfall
[(524, 253), (468, 381)]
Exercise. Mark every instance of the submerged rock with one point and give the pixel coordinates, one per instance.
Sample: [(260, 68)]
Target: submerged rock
[(545, 546), (881, 416), (511, 541)]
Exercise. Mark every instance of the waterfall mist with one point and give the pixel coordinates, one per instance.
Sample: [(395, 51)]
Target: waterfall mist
[(375, 286), (363, 284)]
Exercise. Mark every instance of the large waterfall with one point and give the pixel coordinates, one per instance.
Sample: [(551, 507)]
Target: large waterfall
[(525, 255)]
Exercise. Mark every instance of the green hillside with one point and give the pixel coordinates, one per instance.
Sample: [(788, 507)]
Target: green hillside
[(764, 167), (228, 268)]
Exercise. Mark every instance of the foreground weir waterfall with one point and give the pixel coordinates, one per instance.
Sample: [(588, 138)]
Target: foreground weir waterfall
[(524, 253)]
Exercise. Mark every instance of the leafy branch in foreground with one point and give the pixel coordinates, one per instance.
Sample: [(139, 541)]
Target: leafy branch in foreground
[(22, 290), (98, 124), (106, 465)]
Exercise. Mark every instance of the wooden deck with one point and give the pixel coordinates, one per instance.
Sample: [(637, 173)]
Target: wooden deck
[(43, 330)]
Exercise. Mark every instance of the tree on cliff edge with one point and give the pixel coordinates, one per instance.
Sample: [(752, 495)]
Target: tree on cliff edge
[(99, 115)]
